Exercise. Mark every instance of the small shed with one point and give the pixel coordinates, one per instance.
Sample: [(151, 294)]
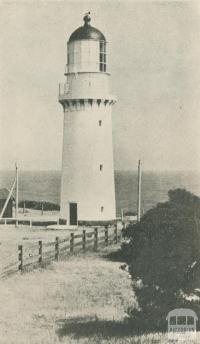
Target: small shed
[(3, 196)]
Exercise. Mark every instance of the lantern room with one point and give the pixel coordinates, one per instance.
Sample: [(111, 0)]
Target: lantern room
[(86, 49)]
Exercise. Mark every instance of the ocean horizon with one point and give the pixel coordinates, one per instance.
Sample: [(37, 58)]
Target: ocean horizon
[(45, 186)]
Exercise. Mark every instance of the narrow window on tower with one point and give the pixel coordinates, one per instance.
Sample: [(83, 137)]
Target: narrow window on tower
[(100, 122), (102, 208), (101, 167), (102, 56)]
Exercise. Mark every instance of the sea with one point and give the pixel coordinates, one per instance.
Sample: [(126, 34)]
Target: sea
[(45, 186)]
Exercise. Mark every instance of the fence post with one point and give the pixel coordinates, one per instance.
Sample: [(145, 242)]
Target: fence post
[(30, 223), (57, 248), (72, 242), (106, 236), (5, 221), (115, 235), (84, 240), (122, 231), (40, 251), (20, 257), (95, 239)]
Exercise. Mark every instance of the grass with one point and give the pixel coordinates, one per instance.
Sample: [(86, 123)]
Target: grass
[(36, 306), (11, 237), (81, 300)]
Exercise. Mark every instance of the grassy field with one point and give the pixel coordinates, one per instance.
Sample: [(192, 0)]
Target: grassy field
[(11, 237), (80, 300)]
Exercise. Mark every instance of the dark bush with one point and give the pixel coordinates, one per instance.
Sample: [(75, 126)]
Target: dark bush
[(96, 223), (37, 205), (163, 253), (130, 213)]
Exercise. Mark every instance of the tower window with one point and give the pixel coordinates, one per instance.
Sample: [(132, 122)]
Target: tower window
[(102, 209), (101, 167), (102, 56), (100, 122)]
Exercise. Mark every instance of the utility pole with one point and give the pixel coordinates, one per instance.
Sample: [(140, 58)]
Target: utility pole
[(16, 193), (122, 214), (139, 192)]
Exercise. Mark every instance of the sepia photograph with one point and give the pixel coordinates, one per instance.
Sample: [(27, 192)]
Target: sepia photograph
[(100, 172)]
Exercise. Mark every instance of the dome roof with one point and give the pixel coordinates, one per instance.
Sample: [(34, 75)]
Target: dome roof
[(87, 32)]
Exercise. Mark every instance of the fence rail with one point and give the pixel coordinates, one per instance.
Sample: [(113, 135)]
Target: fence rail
[(39, 254)]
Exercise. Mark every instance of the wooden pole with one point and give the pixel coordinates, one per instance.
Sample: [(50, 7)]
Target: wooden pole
[(16, 194), (42, 209), (72, 242), (116, 235), (16, 197), (95, 239), (57, 248), (122, 214), (40, 251), (20, 257), (24, 207), (139, 192), (106, 236), (84, 240)]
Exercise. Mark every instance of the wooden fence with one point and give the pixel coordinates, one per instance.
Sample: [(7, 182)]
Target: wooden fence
[(40, 253)]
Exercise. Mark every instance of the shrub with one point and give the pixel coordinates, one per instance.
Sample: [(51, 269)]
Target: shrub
[(163, 253), (130, 213), (37, 205)]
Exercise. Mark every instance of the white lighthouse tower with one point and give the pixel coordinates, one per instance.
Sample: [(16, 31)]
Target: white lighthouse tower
[(87, 186)]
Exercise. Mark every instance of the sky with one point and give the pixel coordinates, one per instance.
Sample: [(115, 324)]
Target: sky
[(154, 61)]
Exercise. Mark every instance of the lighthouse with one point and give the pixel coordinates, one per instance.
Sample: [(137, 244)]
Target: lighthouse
[(87, 181)]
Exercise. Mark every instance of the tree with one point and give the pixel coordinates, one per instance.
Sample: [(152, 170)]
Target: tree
[(163, 255)]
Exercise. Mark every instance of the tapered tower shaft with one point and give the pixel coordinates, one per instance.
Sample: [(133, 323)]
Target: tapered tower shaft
[(87, 186)]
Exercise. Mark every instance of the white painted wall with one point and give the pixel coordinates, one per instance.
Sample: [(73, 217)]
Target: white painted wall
[(86, 145), (82, 85)]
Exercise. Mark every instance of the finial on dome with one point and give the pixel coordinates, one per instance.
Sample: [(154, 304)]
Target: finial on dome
[(87, 18)]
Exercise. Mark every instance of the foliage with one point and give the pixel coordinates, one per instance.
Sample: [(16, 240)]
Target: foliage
[(97, 223), (37, 205), (163, 253), (130, 213)]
